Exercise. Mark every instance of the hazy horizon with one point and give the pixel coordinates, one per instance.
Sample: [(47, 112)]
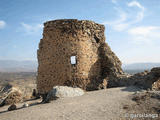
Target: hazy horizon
[(132, 26), (15, 66), (37, 61)]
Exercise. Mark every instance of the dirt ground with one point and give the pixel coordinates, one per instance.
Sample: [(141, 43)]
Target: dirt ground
[(109, 104)]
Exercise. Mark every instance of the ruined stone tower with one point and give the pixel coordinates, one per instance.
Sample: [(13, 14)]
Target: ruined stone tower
[(74, 53)]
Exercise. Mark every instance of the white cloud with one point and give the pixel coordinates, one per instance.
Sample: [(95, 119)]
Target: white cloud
[(145, 34), (118, 24), (32, 29), (135, 3), (140, 14), (122, 17), (124, 21), (143, 30), (2, 24)]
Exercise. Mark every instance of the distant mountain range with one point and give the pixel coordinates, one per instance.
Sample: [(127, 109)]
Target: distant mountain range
[(18, 66), (31, 66), (144, 66), (138, 67)]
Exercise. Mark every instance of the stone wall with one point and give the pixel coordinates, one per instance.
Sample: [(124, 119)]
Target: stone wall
[(83, 39), (145, 80)]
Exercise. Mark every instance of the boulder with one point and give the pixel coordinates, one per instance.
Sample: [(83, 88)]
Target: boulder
[(63, 91), (12, 107)]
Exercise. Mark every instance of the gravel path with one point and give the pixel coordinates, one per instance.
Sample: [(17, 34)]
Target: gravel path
[(97, 105)]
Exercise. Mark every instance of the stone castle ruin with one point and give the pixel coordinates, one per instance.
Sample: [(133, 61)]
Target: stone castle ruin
[(74, 53)]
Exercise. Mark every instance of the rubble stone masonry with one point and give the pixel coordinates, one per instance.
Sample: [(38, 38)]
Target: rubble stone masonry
[(80, 38)]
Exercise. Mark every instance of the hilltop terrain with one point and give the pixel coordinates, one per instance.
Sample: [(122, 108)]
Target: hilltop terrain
[(31, 66), (109, 104)]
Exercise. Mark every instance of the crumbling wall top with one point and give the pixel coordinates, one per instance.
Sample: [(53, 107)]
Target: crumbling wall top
[(74, 23), (72, 26)]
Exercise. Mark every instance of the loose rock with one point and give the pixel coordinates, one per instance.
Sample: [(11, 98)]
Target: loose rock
[(25, 105), (12, 107)]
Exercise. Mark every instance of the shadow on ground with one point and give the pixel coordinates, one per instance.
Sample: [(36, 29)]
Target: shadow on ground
[(30, 105), (132, 89)]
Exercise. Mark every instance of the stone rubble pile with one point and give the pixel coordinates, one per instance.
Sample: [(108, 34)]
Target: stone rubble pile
[(10, 95), (145, 80)]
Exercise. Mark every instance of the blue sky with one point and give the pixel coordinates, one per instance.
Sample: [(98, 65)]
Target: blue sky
[(132, 26)]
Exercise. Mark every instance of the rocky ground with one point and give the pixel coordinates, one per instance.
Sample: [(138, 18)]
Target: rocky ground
[(23, 82), (121, 103)]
